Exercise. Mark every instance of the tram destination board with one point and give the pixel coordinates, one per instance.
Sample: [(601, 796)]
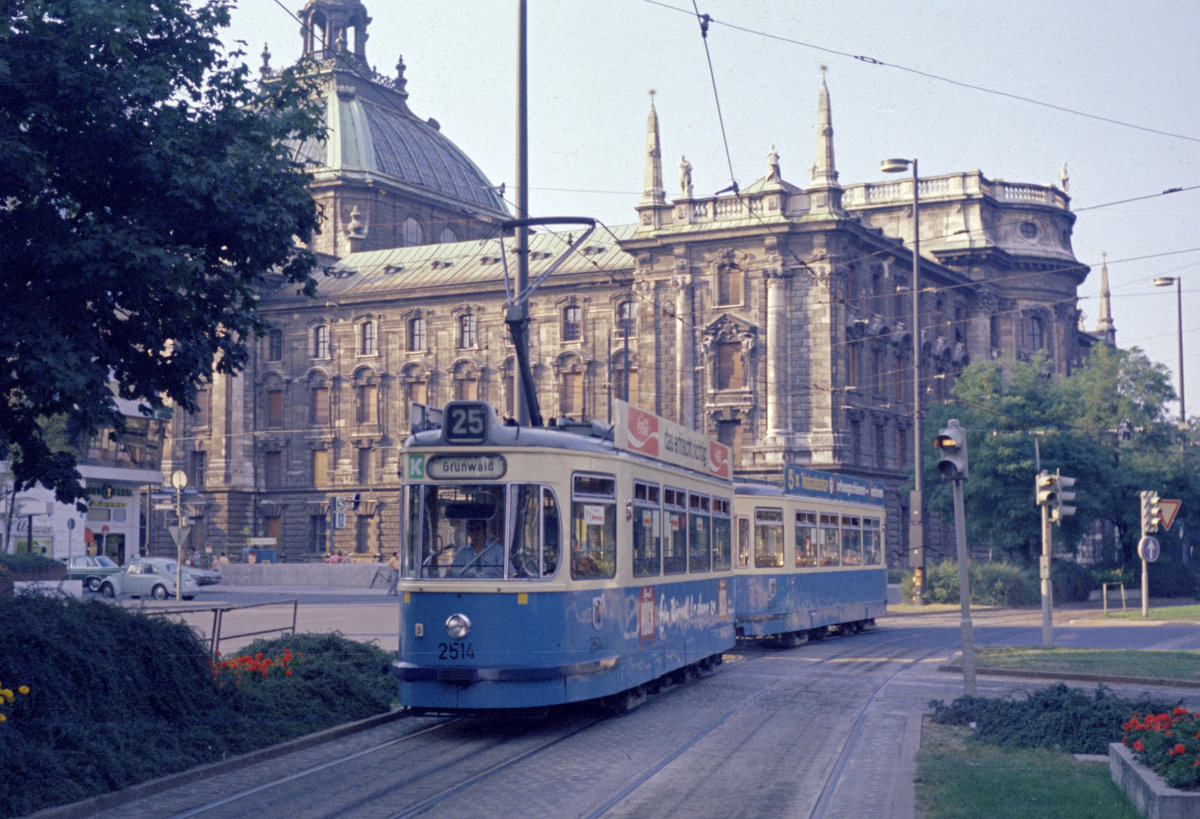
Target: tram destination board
[(466, 423)]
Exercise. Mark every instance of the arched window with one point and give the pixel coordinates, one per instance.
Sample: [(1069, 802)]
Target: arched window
[(468, 337), (414, 386), (572, 329), (624, 378), (320, 341), (318, 404), (466, 382), (1035, 338), (416, 335), (368, 338), (413, 235), (626, 319)]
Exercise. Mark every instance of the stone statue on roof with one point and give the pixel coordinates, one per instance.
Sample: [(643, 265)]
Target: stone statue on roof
[(1064, 181), (685, 177), (773, 174)]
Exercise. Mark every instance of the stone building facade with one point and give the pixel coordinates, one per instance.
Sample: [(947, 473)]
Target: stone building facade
[(776, 319)]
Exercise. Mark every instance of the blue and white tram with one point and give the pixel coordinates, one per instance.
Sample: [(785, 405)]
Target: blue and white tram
[(809, 556), (551, 565)]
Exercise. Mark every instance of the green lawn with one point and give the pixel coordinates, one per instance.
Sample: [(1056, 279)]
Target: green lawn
[(1179, 665), (958, 777), (1162, 613)]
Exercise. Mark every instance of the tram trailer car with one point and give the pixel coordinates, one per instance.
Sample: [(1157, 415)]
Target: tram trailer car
[(590, 570), (809, 556)]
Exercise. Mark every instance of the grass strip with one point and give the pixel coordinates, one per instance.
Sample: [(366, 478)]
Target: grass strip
[(958, 776), (1176, 665), (1161, 613)]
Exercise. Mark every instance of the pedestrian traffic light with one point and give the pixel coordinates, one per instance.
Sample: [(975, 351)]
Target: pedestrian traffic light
[(1062, 507), (1046, 488), (1151, 511), (951, 442)]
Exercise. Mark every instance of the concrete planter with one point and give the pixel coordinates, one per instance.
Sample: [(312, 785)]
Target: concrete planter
[(1152, 797)]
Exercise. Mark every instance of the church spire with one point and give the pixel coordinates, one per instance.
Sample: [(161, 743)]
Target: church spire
[(828, 194), (653, 192), (1105, 327)]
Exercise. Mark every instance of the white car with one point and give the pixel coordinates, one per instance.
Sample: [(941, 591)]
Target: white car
[(149, 576)]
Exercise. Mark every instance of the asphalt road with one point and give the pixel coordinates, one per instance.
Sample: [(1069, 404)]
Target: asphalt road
[(823, 730)]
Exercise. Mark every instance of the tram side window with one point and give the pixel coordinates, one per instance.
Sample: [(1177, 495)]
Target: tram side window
[(699, 534), (828, 546), (743, 542), (534, 551), (768, 538), (872, 542), (851, 541), (722, 546), (593, 526), (647, 530), (675, 539), (806, 539), (551, 527)]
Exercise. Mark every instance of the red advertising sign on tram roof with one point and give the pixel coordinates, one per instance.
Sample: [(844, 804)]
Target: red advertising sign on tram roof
[(644, 432)]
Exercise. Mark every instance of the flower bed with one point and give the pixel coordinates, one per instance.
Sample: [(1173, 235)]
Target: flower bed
[(1168, 744), (1148, 792)]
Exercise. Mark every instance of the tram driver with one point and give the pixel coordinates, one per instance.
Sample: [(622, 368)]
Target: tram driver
[(482, 556)]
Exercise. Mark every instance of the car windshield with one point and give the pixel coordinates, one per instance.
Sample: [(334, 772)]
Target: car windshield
[(104, 562)]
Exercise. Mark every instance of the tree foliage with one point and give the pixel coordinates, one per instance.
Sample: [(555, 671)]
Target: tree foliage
[(1106, 425), (148, 188)]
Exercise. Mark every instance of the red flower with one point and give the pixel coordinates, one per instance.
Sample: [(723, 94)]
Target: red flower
[(1179, 749), (1138, 746)]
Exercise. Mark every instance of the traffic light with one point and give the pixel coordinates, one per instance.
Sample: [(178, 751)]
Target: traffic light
[(1046, 488), (1151, 512), (951, 442), (1062, 498)]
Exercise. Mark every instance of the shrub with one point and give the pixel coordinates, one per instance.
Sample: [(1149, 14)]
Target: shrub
[(26, 563), (1072, 583), (992, 584), (139, 692), (1056, 717)]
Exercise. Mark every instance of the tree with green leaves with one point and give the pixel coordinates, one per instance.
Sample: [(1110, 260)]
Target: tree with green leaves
[(1106, 425), (148, 189)]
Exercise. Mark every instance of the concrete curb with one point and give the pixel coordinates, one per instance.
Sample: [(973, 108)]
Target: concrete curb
[(1119, 679)]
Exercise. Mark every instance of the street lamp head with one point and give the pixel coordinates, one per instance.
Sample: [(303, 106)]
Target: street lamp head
[(1164, 281), (895, 165)]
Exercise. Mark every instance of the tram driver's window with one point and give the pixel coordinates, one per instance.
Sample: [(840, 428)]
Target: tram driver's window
[(593, 526), (647, 530), (768, 538)]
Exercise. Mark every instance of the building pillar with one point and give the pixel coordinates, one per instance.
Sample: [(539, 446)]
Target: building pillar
[(685, 351), (778, 405)]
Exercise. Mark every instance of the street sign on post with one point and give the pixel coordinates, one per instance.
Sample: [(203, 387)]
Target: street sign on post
[(1168, 508)]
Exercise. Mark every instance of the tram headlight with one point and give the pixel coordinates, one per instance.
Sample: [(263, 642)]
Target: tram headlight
[(458, 626)]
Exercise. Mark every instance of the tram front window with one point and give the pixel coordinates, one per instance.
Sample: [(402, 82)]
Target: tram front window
[(460, 531)]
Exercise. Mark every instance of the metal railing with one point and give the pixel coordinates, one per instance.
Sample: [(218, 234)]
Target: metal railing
[(219, 612)]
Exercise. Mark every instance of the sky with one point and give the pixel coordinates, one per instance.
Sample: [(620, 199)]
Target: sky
[(1012, 88)]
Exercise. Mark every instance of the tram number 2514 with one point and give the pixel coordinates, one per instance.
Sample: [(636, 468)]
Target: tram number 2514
[(456, 651)]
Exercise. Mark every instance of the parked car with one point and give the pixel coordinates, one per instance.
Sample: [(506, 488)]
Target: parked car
[(91, 569), (153, 576), (205, 577)]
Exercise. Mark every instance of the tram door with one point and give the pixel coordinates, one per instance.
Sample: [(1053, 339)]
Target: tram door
[(743, 542)]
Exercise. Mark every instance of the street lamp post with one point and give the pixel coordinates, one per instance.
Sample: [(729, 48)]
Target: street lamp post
[(916, 528), (1166, 281)]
